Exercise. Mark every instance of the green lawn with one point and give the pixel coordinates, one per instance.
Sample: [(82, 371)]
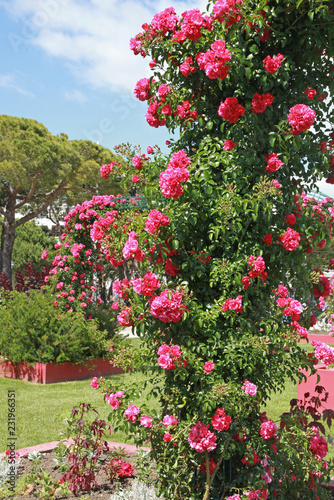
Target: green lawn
[(41, 410)]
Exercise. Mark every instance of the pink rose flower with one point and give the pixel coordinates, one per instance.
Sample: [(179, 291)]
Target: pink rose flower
[(163, 349), (209, 366), (201, 439), (155, 220), (169, 420), (274, 163), (94, 383), (114, 399), (146, 421), (137, 162), (131, 413), (231, 110), (260, 102), (125, 318), (318, 446), (268, 429), (233, 304), (249, 388), (175, 351), (166, 362), (271, 64), (167, 307), (301, 118), (290, 239), (142, 89), (323, 352), (220, 421)]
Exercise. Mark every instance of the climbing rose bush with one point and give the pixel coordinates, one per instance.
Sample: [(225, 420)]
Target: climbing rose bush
[(228, 232)]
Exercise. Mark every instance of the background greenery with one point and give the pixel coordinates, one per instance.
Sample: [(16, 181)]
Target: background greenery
[(34, 330)]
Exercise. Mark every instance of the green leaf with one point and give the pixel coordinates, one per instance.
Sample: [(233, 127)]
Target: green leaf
[(256, 209), (206, 175)]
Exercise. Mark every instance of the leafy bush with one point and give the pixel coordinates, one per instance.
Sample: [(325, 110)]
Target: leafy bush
[(30, 241), (33, 330), (106, 319)]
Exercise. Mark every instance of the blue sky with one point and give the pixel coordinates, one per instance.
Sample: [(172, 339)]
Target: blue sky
[(67, 64)]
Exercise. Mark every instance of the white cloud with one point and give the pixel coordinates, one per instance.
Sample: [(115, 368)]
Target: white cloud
[(92, 36), (75, 95), (8, 81)]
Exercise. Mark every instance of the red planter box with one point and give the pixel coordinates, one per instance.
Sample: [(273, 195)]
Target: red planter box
[(326, 380), (63, 372)]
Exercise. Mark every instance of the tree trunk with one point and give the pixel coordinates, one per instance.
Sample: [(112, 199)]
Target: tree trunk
[(7, 238), (9, 224)]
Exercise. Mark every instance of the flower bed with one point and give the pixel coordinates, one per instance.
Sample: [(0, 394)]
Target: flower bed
[(49, 373), (43, 460), (48, 466), (326, 381)]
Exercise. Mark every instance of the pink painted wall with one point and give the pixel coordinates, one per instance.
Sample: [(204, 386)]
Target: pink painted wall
[(51, 372), (326, 380)]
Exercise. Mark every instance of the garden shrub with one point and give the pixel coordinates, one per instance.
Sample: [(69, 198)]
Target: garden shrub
[(106, 318), (33, 330)]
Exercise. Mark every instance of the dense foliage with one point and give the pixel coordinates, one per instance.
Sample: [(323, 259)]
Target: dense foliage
[(33, 330), (219, 283), (30, 241)]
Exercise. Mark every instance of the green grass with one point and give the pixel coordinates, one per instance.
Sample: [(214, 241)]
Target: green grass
[(280, 402), (41, 410)]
